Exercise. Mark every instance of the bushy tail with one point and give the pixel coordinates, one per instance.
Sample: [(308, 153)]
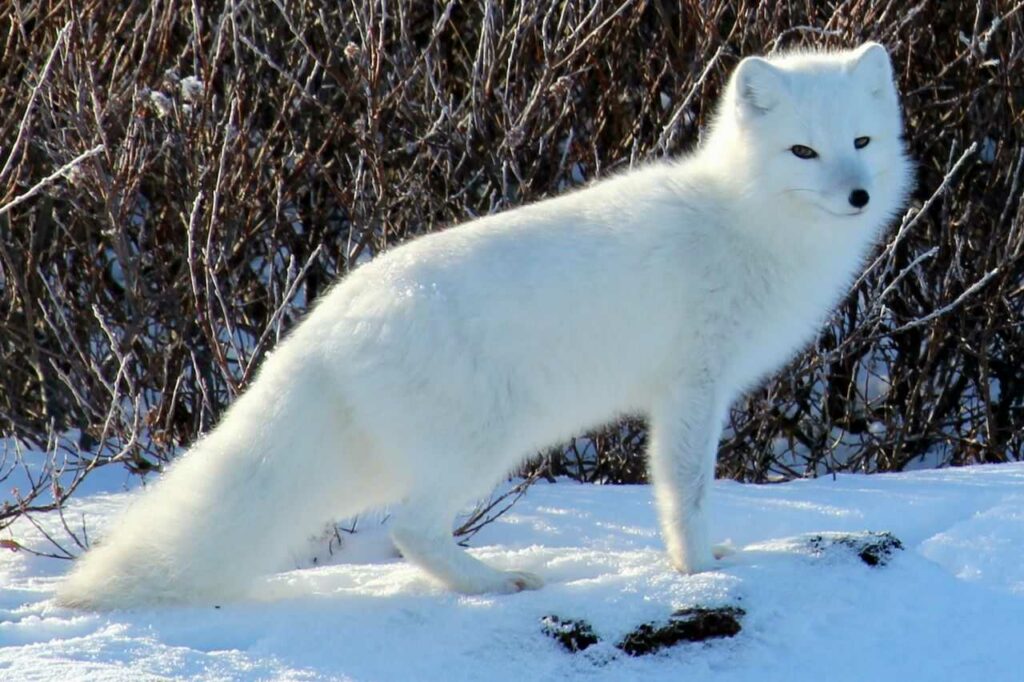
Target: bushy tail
[(233, 507)]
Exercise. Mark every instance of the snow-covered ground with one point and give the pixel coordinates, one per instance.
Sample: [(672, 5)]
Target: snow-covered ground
[(949, 607)]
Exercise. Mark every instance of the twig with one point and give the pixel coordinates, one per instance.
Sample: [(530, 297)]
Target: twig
[(951, 306), (60, 172), (23, 127)]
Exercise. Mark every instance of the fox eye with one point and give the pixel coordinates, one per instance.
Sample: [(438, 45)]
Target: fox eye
[(803, 152), (861, 142)]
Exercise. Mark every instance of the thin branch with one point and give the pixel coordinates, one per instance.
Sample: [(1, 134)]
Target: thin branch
[(59, 173)]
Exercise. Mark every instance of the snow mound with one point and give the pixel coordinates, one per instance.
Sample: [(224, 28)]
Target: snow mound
[(947, 607)]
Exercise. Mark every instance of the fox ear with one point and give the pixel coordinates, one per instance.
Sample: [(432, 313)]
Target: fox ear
[(760, 86), (871, 64)]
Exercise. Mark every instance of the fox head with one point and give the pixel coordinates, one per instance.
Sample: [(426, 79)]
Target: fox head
[(816, 133)]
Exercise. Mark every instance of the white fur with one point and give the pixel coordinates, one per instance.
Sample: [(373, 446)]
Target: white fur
[(426, 375)]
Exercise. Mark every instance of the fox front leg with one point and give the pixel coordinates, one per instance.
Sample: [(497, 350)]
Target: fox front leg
[(683, 446)]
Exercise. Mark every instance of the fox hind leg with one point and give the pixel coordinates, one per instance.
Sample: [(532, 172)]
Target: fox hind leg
[(422, 532)]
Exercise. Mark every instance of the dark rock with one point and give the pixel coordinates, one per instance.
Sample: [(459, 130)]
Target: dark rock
[(873, 548), (687, 625), (574, 635)]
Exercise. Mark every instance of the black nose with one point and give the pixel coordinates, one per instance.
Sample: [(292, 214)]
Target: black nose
[(859, 198)]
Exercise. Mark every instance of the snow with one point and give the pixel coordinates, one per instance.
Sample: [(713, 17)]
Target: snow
[(948, 607)]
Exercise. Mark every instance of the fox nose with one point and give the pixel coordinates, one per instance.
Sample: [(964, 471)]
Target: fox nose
[(859, 198)]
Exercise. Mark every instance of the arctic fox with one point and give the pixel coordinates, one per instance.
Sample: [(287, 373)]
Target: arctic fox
[(428, 374)]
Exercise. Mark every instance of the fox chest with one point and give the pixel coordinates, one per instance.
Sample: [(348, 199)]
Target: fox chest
[(773, 322)]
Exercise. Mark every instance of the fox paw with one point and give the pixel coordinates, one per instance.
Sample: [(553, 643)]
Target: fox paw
[(499, 582), (699, 562), (722, 551), (519, 581)]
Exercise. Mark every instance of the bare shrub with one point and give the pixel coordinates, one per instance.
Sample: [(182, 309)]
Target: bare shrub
[(178, 181)]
